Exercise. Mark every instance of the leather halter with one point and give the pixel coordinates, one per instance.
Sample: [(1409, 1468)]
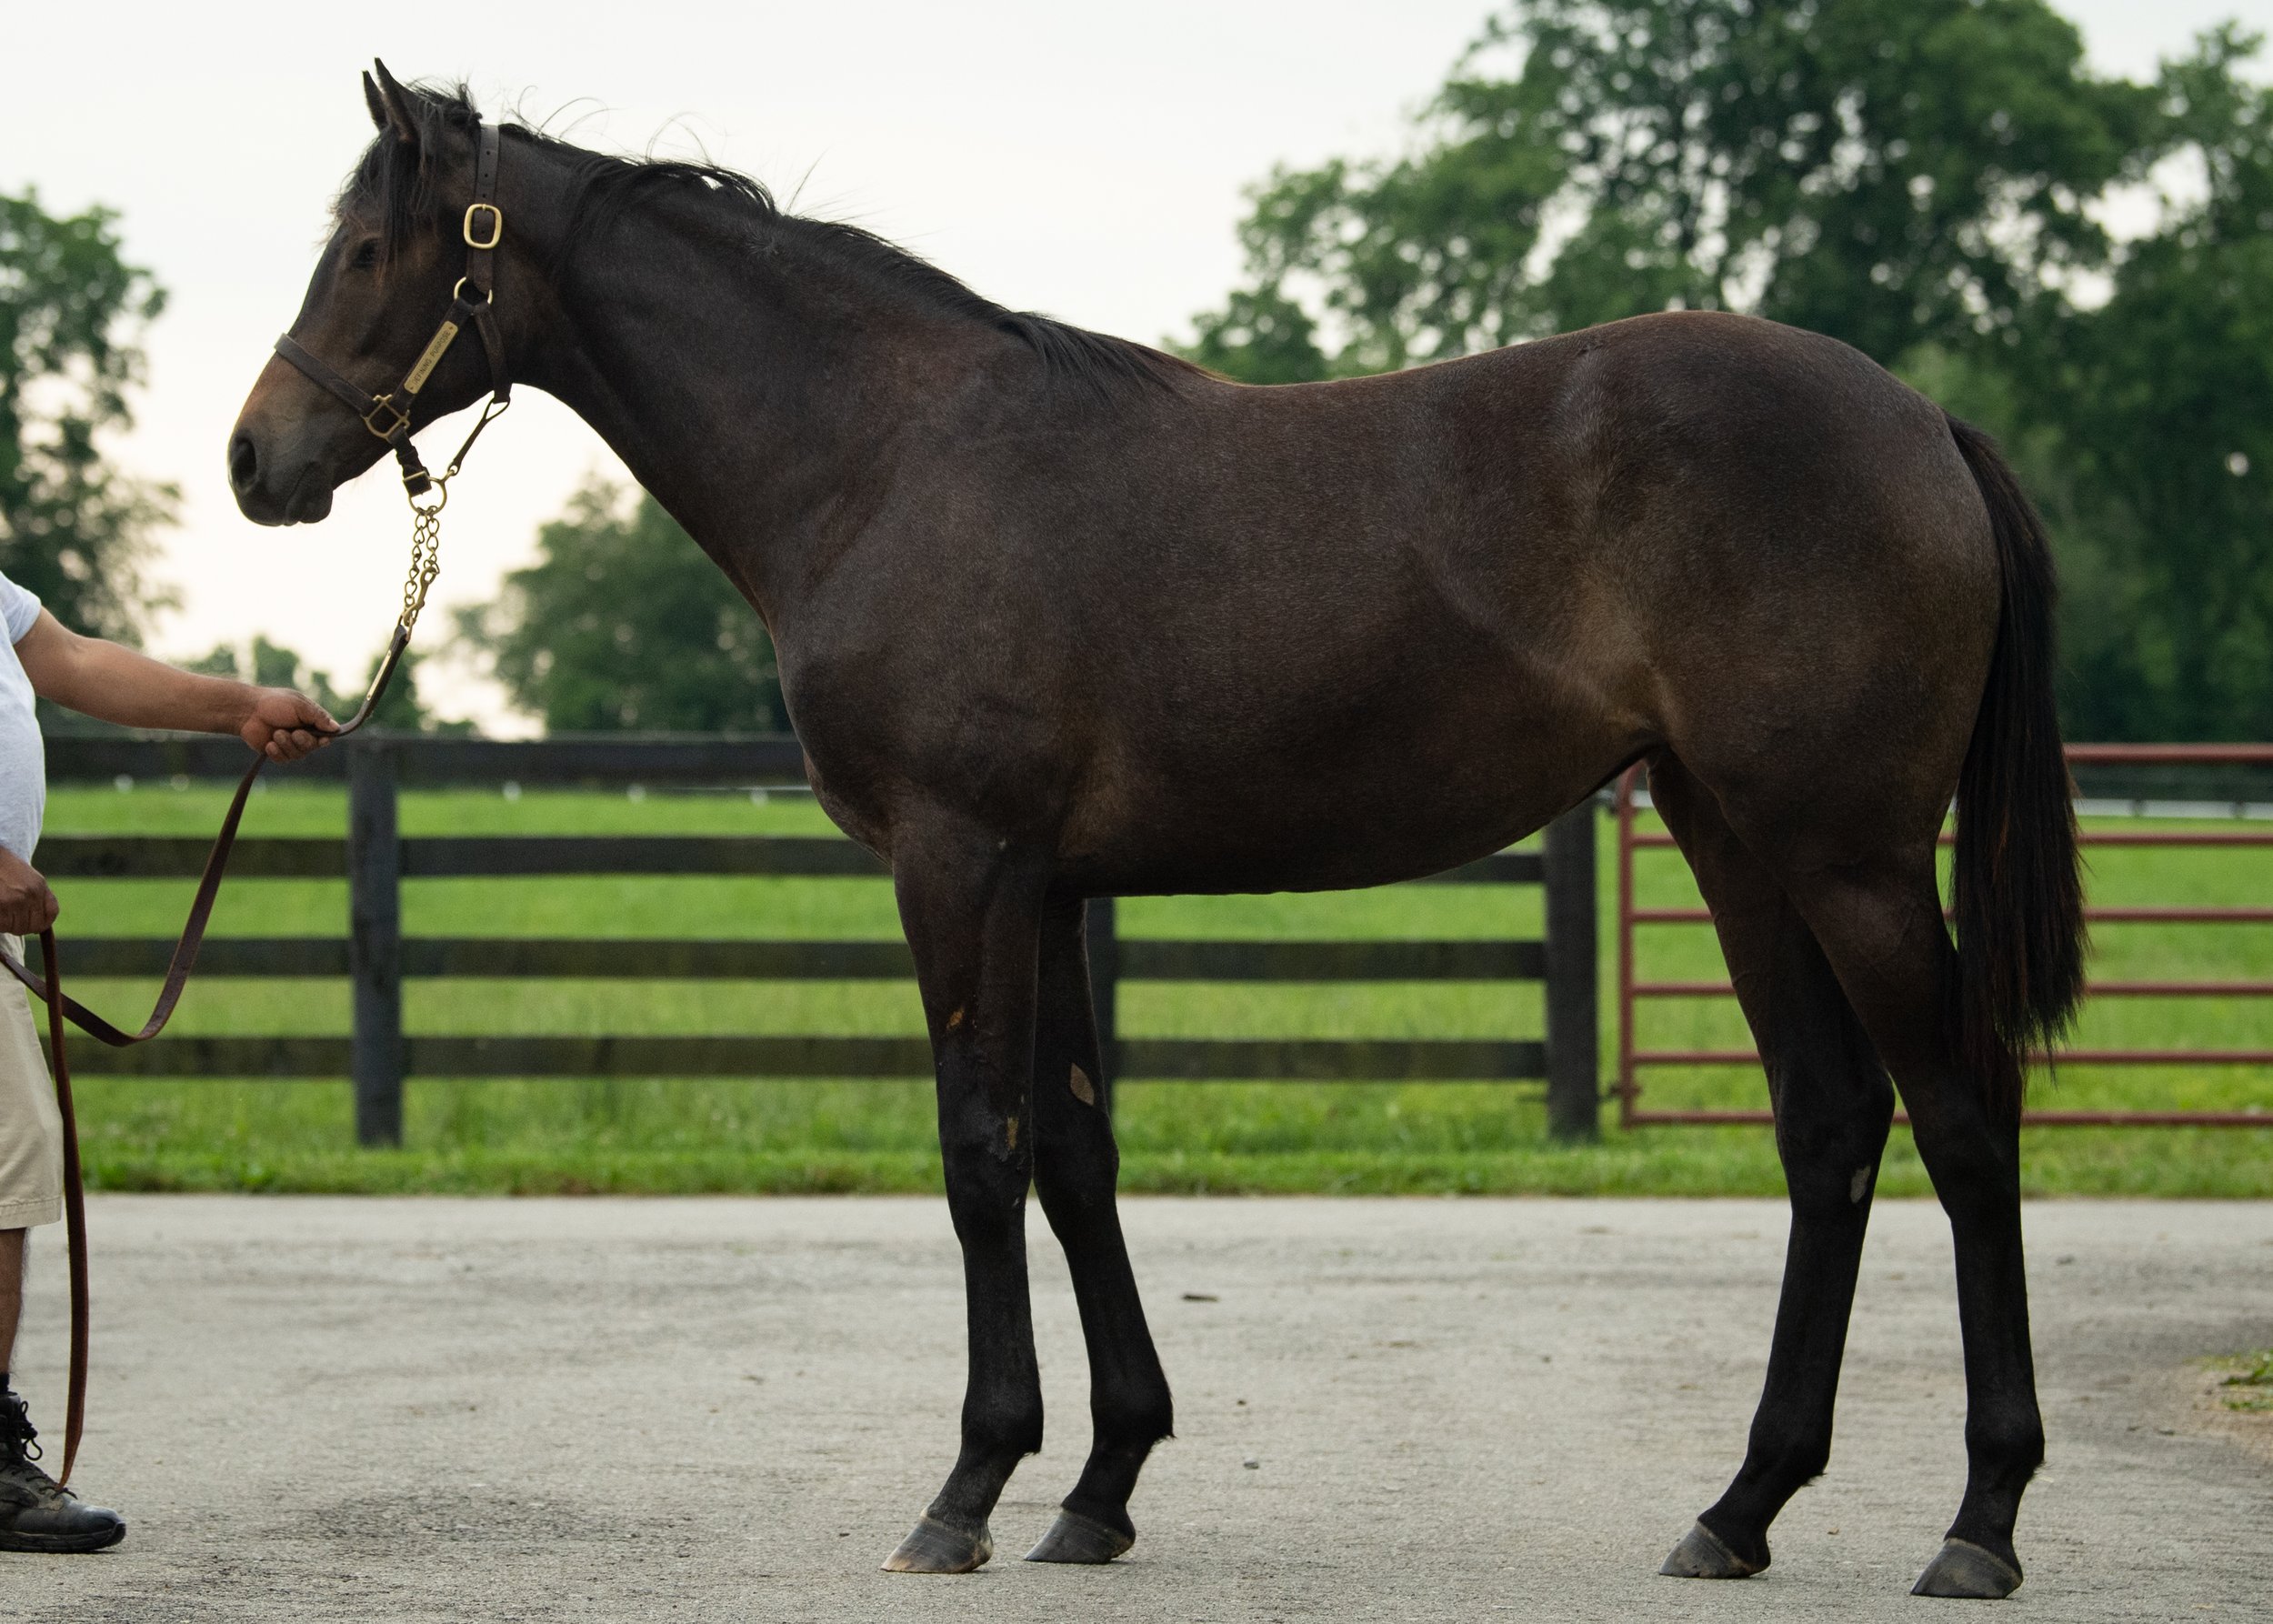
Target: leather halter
[(387, 417)]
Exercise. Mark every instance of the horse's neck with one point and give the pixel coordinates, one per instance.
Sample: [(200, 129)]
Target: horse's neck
[(746, 388)]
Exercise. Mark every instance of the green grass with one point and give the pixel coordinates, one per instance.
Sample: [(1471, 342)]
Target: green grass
[(711, 1135), (2251, 1374)]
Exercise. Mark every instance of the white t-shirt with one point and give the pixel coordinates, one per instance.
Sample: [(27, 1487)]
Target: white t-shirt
[(23, 758)]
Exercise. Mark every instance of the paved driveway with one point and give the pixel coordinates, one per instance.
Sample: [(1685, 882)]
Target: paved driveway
[(335, 1410)]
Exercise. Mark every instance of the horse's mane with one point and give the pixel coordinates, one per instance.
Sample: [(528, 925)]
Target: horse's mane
[(398, 190)]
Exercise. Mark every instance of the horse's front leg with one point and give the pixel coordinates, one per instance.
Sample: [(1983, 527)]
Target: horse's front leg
[(1076, 1169), (972, 908)]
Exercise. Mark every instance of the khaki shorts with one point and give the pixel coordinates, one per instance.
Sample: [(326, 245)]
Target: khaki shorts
[(30, 1128)]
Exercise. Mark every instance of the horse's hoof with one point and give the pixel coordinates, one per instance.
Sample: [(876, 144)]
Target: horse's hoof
[(1961, 1567), (1701, 1555), (1074, 1538), (932, 1546)]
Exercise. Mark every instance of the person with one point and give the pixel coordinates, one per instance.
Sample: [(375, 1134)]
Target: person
[(113, 683)]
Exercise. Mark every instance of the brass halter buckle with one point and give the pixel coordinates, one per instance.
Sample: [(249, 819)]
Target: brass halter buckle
[(496, 225), (386, 404)]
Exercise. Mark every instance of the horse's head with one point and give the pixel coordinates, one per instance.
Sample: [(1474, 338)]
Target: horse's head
[(399, 248)]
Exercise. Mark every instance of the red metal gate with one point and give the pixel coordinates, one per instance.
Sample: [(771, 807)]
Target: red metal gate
[(1634, 1060)]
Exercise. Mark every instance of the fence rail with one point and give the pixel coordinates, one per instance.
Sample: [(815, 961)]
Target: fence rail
[(1634, 1058), (377, 958), (493, 856)]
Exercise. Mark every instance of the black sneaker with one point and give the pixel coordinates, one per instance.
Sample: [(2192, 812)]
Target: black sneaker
[(36, 1513)]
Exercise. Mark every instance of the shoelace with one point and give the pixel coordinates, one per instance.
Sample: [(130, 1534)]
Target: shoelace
[(18, 1436)]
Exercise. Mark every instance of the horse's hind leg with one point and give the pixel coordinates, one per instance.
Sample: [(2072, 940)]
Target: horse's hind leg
[(1880, 923), (972, 908), (1076, 1167), (1833, 1105)]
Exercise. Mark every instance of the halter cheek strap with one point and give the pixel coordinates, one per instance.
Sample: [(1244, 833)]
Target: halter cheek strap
[(472, 303)]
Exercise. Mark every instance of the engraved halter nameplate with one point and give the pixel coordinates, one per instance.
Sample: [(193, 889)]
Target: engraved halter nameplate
[(436, 348)]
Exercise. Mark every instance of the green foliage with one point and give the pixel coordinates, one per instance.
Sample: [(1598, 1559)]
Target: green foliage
[(624, 623), (72, 529), (1917, 177), (272, 666), (1885, 171), (1260, 337), (2162, 401)]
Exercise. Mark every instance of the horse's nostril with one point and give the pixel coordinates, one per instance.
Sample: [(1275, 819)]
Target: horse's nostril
[(243, 463)]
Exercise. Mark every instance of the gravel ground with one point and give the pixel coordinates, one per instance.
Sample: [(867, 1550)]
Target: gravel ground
[(344, 1409)]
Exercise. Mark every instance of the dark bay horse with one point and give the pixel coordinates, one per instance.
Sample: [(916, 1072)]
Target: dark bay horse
[(1059, 617)]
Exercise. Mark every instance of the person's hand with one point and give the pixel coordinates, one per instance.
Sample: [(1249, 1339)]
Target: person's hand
[(26, 905), (284, 726)]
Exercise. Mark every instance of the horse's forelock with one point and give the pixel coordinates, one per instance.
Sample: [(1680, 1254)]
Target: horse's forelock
[(394, 183)]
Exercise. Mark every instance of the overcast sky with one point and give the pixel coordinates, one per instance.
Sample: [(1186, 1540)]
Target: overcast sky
[(1083, 160)]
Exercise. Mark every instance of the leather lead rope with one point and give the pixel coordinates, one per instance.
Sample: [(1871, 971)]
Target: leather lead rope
[(483, 228), (73, 1210), (48, 989)]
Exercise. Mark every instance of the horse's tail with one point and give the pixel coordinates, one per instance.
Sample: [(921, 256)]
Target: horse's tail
[(2018, 891)]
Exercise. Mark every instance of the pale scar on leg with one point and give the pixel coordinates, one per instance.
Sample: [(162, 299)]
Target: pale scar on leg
[(1084, 1090)]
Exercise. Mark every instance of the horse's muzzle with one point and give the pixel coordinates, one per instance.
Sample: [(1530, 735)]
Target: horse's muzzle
[(269, 494)]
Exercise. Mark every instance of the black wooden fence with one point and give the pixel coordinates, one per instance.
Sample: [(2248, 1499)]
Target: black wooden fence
[(375, 957)]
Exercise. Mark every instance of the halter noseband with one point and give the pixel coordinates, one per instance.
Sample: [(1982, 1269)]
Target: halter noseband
[(387, 415)]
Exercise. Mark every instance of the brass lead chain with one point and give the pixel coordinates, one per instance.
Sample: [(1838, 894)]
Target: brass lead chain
[(425, 553), (426, 526)]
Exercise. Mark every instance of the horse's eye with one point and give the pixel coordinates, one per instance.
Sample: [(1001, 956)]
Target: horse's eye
[(367, 255)]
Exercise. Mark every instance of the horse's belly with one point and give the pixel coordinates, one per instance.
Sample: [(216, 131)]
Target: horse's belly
[(1373, 812)]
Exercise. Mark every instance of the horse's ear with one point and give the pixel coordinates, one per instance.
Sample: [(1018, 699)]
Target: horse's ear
[(372, 100), (390, 104)]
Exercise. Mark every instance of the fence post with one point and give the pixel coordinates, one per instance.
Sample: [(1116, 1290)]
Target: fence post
[(1573, 1011), (374, 941), (1104, 982)]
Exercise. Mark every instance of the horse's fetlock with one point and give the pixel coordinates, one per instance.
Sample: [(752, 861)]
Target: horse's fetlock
[(1143, 1419), (1003, 1429), (1787, 1454), (1803, 1463), (2014, 1445)]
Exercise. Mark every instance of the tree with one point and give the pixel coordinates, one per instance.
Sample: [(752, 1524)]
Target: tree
[(271, 665), (1918, 177), (2163, 399), (73, 529), (1885, 171), (624, 623)]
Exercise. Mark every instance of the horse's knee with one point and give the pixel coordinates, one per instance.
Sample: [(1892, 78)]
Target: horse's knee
[(986, 1180), (1076, 1183)]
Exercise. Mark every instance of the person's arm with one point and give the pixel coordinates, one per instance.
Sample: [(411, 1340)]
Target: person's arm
[(114, 683)]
